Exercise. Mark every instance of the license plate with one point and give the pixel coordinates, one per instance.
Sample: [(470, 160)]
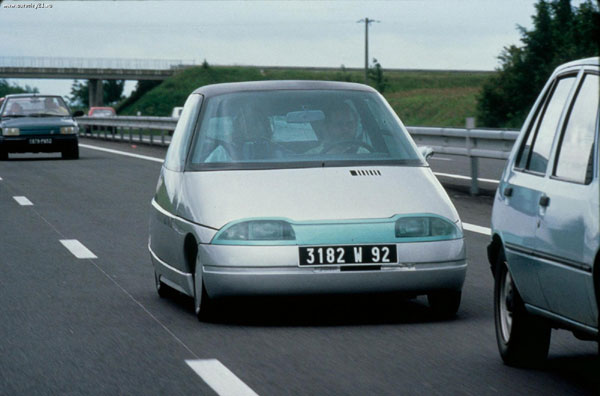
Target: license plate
[(40, 141), (357, 254)]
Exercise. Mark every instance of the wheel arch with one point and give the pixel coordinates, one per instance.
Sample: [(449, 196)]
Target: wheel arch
[(495, 248), (190, 252)]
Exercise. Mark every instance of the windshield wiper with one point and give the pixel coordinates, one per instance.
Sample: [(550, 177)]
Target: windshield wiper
[(13, 115), (45, 115)]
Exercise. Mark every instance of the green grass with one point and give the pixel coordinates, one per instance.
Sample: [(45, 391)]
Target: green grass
[(424, 98)]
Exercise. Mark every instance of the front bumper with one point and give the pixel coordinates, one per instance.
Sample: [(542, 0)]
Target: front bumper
[(273, 270), (34, 143)]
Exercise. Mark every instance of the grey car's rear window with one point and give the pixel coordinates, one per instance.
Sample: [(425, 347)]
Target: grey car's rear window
[(296, 128)]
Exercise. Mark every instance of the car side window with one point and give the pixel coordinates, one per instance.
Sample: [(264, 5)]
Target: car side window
[(576, 153), (177, 152), (536, 150)]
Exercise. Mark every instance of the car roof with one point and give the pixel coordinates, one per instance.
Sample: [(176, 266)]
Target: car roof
[(593, 61), (29, 95), (276, 85)]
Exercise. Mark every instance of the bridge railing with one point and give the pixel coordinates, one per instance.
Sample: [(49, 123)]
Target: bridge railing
[(92, 63), (474, 143)]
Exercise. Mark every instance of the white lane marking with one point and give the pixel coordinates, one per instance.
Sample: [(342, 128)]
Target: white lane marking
[(0, 179), (144, 157), (77, 248), (441, 158), (478, 229), (219, 378), (23, 201), (466, 177)]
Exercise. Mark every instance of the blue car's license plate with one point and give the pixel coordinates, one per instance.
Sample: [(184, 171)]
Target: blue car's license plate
[(356, 254), (40, 141)]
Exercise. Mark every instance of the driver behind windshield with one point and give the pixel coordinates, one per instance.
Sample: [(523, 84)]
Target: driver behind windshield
[(14, 109), (340, 129)]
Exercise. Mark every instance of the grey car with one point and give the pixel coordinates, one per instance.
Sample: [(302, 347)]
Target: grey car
[(546, 219), (300, 187)]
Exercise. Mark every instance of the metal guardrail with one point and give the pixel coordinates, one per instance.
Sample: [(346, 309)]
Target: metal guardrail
[(128, 128), (474, 143)]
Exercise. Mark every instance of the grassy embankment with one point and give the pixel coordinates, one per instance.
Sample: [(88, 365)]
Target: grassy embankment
[(424, 98)]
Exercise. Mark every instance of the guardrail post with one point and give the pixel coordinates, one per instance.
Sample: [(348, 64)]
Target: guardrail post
[(120, 133), (141, 138), (151, 138), (470, 124), (162, 137)]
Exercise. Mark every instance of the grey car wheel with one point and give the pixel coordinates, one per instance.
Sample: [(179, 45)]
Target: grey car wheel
[(203, 306), (162, 289), (523, 339), (445, 303)]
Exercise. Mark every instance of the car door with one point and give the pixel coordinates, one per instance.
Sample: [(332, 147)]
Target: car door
[(166, 237), (523, 188), (567, 233)]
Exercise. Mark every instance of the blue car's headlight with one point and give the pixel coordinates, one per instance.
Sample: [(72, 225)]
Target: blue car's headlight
[(10, 131), (428, 227), (257, 230), (69, 130)]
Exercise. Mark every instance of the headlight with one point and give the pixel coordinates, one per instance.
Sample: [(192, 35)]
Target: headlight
[(68, 130), (257, 230), (10, 131), (428, 227)]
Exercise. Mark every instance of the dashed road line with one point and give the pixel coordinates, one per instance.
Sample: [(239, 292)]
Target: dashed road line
[(220, 378), (144, 157), (78, 249), (477, 229), (23, 201)]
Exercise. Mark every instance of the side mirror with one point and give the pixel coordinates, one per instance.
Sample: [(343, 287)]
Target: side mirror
[(78, 113), (426, 152)]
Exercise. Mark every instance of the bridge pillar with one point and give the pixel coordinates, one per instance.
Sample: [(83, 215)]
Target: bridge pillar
[(96, 93)]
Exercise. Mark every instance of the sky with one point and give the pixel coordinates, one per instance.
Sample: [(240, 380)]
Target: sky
[(410, 34)]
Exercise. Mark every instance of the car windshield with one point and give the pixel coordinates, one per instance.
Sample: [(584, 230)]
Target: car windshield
[(35, 106), (299, 128)]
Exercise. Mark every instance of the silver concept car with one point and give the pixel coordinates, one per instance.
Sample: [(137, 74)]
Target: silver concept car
[(301, 187)]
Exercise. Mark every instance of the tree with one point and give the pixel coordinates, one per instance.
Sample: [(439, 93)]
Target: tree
[(560, 34), (111, 95), (7, 88), (375, 74)]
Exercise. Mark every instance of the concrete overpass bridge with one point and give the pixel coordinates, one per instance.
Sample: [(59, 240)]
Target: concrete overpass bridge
[(95, 70)]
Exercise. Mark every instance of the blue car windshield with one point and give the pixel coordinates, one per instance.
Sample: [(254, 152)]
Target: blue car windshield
[(299, 128), (35, 106)]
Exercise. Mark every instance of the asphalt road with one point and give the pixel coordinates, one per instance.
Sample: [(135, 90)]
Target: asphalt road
[(97, 326)]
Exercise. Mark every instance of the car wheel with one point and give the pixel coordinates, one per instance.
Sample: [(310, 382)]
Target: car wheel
[(162, 289), (3, 155), (71, 152), (445, 303), (523, 339), (203, 306)]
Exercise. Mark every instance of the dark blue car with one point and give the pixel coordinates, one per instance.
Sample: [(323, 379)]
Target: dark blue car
[(33, 123)]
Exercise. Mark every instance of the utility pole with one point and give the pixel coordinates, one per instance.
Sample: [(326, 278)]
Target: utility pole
[(367, 21)]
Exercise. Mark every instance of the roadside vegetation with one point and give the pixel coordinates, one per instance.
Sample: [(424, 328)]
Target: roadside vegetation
[(7, 88), (561, 33), (425, 98)]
